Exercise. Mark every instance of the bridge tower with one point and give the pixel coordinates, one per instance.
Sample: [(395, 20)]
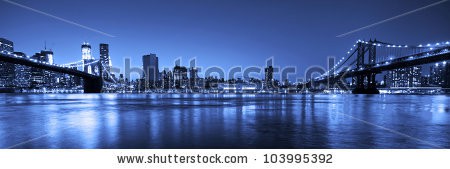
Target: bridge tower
[(365, 82), (95, 84)]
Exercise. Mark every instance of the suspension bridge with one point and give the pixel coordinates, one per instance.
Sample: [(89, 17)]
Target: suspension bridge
[(92, 81), (366, 59)]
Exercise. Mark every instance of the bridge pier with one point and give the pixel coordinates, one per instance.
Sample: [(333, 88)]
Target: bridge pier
[(92, 85), (371, 84)]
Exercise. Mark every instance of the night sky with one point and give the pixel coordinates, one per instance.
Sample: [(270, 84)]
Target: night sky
[(222, 33)]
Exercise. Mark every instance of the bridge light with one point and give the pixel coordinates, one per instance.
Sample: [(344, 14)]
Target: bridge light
[(420, 45), (348, 52), (387, 63), (444, 62), (428, 44), (437, 44), (447, 43), (388, 46), (343, 58), (437, 64), (391, 58), (406, 46), (431, 48)]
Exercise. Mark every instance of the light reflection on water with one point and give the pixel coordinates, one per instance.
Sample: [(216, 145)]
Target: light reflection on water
[(223, 121)]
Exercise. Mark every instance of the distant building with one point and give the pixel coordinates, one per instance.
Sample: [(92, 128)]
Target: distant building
[(87, 58), (404, 77), (440, 75), (151, 69), (167, 79), (105, 59), (193, 77), (269, 76), (180, 76), (50, 77), (37, 79), (7, 70), (23, 73)]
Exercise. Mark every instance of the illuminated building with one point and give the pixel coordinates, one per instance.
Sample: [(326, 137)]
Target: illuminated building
[(7, 70), (151, 69)]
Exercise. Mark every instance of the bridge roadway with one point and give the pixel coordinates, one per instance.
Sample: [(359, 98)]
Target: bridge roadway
[(91, 83), (403, 62)]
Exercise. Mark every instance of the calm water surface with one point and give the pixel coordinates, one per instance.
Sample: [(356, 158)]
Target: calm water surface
[(223, 121)]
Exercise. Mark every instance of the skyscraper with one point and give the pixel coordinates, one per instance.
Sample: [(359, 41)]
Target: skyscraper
[(180, 76), (404, 77), (440, 75), (193, 77), (151, 69), (23, 73), (7, 70), (86, 56), (105, 59), (269, 76)]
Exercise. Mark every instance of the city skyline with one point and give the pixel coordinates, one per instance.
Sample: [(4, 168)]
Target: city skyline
[(296, 36)]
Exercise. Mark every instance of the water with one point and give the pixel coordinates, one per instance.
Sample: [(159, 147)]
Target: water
[(223, 121)]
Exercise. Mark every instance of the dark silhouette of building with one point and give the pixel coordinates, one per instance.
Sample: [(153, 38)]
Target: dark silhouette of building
[(193, 77), (151, 70), (167, 79), (269, 76), (438, 75)]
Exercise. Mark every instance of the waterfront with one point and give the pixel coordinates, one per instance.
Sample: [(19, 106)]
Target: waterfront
[(223, 121)]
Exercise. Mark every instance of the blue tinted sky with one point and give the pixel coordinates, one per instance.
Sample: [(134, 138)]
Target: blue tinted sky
[(225, 33)]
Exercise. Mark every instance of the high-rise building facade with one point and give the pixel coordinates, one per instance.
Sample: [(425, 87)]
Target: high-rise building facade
[(7, 70), (404, 77), (440, 74), (268, 74), (151, 69), (180, 76), (105, 59), (193, 77), (86, 56), (23, 73)]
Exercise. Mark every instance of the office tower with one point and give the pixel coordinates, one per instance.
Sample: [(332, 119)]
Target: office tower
[(37, 79), (151, 70), (7, 70), (167, 79), (404, 77), (180, 76), (440, 74), (269, 76), (49, 76), (23, 73), (193, 77), (105, 59), (86, 56)]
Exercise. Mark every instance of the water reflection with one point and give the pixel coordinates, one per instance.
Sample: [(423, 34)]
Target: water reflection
[(223, 121)]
